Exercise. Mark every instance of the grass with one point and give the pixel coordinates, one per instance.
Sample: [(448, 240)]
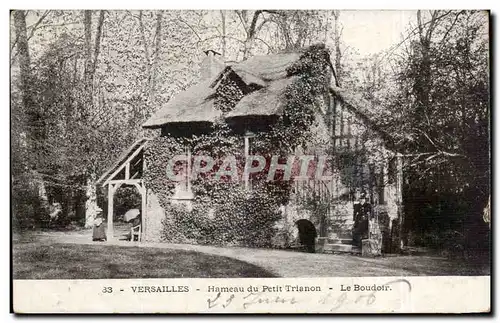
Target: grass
[(35, 260), (56, 256)]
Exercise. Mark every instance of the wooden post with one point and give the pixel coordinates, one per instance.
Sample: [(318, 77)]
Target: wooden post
[(245, 173), (111, 193), (399, 197), (143, 210), (188, 173), (127, 170)]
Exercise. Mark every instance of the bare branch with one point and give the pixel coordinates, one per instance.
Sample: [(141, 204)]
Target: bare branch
[(450, 28), (239, 14), (191, 27)]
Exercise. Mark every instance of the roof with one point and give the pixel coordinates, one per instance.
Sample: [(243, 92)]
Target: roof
[(192, 105), (269, 67), (269, 72), (264, 102), (139, 144), (196, 104), (250, 78)]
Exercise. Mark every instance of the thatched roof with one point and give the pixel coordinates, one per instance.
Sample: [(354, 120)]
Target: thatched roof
[(269, 73), (192, 105), (249, 78), (264, 102), (269, 67), (196, 104)]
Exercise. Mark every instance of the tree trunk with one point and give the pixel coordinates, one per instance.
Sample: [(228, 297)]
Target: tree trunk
[(223, 20), (30, 109), (90, 68), (424, 84), (87, 79), (338, 53), (147, 56), (35, 124), (91, 202), (24, 56), (156, 57)]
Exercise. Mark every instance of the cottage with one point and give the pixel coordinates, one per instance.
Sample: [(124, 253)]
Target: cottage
[(287, 109)]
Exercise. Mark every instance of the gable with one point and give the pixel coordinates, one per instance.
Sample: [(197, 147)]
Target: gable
[(131, 156), (255, 77)]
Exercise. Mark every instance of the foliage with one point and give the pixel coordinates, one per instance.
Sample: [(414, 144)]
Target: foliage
[(243, 219), (89, 98), (126, 198), (435, 104), (26, 205)]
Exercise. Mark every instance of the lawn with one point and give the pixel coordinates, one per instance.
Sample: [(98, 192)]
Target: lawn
[(72, 255), (35, 260)]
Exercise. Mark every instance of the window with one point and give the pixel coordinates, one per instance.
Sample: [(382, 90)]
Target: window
[(183, 188), (248, 152)]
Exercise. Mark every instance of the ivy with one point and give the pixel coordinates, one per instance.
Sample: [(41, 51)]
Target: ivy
[(223, 212)]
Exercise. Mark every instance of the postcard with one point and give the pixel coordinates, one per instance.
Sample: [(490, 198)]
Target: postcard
[(250, 161)]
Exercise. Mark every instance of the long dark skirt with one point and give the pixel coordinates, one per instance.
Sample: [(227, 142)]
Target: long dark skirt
[(360, 232), (98, 234)]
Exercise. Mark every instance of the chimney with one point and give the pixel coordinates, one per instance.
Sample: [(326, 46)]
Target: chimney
[(211, 65)]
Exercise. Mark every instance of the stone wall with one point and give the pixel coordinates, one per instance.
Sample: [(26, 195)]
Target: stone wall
[(155, 214)]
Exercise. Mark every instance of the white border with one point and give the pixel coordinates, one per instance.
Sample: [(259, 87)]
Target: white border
[(145, 4)]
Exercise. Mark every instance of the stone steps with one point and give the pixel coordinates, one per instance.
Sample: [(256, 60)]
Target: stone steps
[(339, 241), (340, 248), (336, 245)]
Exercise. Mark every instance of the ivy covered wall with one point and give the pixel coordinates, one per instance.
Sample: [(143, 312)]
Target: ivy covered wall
[(223, 212)]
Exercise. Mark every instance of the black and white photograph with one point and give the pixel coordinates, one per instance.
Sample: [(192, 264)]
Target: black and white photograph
[(272, 143)]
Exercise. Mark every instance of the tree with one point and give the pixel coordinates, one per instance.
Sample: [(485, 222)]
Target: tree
[(97, 76), (90, 68), (31, 110), (336, 16), (439, 116)]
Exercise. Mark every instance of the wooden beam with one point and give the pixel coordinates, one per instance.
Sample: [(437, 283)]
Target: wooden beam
[(134, 175), (142, 190), (132, 148), (127, 161), (126, 181)]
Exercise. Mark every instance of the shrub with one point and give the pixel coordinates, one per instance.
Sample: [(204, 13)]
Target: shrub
[(27, 207)]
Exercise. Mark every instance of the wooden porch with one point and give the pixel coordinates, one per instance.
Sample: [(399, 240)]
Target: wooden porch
[(127, 170)]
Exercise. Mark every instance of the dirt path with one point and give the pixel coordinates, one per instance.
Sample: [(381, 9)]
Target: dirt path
[(297, 264)]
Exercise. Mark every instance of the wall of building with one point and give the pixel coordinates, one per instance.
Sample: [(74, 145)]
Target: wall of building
[(155, 214), (361, 163)]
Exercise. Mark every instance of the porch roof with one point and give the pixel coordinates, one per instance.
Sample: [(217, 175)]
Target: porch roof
[(121, 161)]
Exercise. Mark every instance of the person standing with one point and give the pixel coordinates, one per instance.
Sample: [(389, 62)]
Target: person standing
[(98, 232), (362, 214)]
